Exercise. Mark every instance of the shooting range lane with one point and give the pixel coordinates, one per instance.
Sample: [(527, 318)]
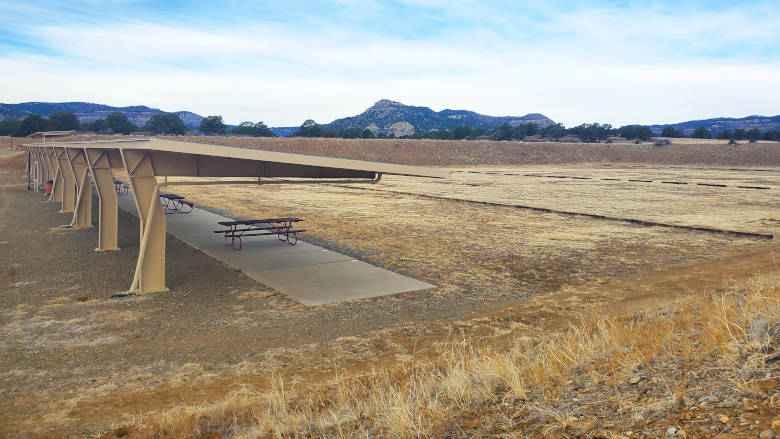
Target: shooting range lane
[(311, 274)]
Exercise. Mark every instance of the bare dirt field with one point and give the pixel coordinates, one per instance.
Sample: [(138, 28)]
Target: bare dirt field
[(75, 363)]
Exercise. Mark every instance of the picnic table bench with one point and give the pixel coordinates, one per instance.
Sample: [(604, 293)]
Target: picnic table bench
[(173, 203), (120, 187), (283, 228)]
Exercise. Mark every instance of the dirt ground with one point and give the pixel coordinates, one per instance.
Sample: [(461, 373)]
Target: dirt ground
[(74, 363)]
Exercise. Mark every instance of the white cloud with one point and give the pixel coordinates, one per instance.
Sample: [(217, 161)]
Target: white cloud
[(576, 66)]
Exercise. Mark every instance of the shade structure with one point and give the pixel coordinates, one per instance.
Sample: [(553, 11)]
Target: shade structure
[(43, 135), (147, 162)]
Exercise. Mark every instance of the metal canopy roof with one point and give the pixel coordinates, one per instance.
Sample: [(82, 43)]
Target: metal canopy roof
[(176, 158), (45, 134)]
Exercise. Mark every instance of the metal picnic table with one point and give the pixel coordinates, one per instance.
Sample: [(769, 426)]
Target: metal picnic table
[(281, 227), (173, 203)]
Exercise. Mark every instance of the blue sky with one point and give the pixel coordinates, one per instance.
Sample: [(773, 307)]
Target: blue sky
[(282, 62)]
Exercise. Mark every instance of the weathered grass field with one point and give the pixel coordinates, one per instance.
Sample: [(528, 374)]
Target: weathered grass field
[(543, 325), (518, 251)]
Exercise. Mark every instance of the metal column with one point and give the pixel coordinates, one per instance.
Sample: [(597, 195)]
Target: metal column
[(150, 268), (82, 215), (108, 202), (68, 182)]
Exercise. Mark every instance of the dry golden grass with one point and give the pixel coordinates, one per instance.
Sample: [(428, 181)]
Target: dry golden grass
[(728, 207), (442, 377), (606, 375), (503, 251)]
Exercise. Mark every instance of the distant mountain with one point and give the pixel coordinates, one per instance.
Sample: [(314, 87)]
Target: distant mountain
[(399, 119), (88, 112), (719, 124), (284, 131)]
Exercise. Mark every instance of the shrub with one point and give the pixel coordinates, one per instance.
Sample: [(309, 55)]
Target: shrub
[(663, 142)]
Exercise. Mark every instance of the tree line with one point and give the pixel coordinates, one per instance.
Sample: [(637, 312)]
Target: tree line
[(118, 123), (588, 133), (171, 123)]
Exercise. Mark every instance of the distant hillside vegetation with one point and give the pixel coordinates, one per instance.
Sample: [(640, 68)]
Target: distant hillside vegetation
[(716, 125), (88, 112), (399, 119), (284, 131)]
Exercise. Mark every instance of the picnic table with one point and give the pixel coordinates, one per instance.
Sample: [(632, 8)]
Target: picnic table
[(173, 203), (283, 228), (120, 187)]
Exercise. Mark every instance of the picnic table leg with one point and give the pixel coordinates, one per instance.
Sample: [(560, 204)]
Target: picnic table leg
[(295, 235), (230, 234)]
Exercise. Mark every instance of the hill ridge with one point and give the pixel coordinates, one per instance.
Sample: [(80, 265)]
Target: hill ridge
[(718, 124), (400, 119), (89, 112)]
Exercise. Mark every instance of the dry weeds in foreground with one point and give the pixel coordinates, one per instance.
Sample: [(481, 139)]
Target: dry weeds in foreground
[(709, 365)]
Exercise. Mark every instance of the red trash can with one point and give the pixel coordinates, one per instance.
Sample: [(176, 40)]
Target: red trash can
[(49, 184)]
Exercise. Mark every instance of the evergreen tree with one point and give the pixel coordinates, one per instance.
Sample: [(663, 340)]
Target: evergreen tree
[(248, 128), (9, 126), (753, 134), (553, 131), (725, 134), (31, 124), (62, 121), (165, 123), (117, 122), (671, 132), (701, 133), (213, 125)]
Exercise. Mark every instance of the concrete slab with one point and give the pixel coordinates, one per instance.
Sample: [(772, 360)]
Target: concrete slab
[(311, 274)]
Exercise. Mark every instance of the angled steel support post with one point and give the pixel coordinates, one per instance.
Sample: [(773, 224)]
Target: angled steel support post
[(38, 168), (50, 170), (109, 205), (82, 215), (29, 167), (150, 268), (68, 182), (56, 191), (48, 173)]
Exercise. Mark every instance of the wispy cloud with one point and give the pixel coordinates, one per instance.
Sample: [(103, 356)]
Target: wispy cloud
[(577, 62)]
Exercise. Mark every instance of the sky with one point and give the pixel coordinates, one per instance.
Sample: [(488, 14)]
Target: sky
[(617, 62)]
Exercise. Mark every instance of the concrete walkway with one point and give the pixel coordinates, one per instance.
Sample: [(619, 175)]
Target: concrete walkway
[(312, 275)]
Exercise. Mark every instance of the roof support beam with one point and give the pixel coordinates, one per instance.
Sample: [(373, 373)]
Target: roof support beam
[(47, 164), (108, 203), (150, 269), (68, 182), (82, 213), (41, 174), (56, 191), (82, 216)]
